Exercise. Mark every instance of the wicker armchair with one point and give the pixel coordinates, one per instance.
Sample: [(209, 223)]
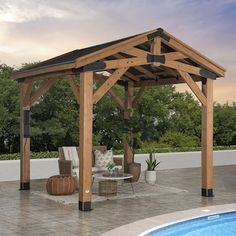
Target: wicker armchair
[(66, 167)]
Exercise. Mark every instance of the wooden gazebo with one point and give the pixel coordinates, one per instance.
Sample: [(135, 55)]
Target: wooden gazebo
[(148, 59)]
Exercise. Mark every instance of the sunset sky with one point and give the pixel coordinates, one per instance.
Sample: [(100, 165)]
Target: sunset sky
[(37, 30)]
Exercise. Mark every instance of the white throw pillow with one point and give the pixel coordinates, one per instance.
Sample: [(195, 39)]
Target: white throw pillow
[(102, 159)]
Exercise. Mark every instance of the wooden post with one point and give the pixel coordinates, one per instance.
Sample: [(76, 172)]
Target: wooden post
[(85, 153), (24, 135), (207, 139), (128, 152)]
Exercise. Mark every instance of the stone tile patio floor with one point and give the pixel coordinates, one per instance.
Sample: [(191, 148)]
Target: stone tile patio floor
[(23, 213)]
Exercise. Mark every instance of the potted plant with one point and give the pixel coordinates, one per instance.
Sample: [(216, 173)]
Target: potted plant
[(151, 174), (110, 167)]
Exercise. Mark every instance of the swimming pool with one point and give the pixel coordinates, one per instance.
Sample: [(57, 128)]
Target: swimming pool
[(215, 225)]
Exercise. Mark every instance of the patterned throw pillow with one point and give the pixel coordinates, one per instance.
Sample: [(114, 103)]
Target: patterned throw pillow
[(102, 159)]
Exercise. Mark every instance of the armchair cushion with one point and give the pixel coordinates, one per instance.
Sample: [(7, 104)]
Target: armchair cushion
[(103, 158), (71, 154)]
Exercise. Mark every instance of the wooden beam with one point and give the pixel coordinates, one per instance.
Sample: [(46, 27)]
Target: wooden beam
[(42, 90), (189, 68), (138, 68), (171, 56), (136, 52), (26, 99), (112, 92), (128, 151), (192, 54), (86, 133), (156, 49), (207, 140), (127, 73), (138, 95), (132, 76), (108, 84), (55, 75), (113, 49), (163, 81), (145, 72), (24, 137), (74, 88), (118, 63), (42, 70), (193, 86)]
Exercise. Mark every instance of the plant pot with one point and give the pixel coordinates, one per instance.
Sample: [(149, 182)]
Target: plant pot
[(135, 170), (150, 176)]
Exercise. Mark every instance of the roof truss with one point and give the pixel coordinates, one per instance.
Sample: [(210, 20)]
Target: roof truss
[(150, 56)]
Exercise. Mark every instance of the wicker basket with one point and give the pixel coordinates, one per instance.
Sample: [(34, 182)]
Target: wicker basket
[(107, 188), (61, 185)]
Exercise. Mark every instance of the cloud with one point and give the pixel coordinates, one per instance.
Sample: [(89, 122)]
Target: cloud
[(23, 11), (37, 30)]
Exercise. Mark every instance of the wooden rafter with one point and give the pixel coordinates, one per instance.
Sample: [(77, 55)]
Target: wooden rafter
[(145, 72), (112, 92), (74, 88), (189, 68), (40, 71), (193, 86), (174, 56), (138, 68), (136, 52), (42, 90), (119, 63), (119, 47), (55, 75), (108, 84), (138, 95), (127, 73)]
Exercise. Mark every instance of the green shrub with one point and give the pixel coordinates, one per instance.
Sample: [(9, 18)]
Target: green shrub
[(171, 149), (34, 155), (54, 154)]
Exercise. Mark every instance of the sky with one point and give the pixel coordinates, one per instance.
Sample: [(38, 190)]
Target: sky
[(32, 31)]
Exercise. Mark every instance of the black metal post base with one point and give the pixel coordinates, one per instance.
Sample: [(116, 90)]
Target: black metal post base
[(25, 186), (85, 206), (207, 192)]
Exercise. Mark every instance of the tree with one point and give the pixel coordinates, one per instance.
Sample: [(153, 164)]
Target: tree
[(225, 124), (108, 121), (55, 119), (185, 116), (9, 110)]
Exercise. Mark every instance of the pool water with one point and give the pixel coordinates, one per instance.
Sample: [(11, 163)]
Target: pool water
[(214, 225)]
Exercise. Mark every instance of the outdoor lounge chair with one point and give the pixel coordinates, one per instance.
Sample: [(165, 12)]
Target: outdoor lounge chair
[(69, 162)]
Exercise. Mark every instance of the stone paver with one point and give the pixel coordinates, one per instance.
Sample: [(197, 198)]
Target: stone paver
[(23, 213)]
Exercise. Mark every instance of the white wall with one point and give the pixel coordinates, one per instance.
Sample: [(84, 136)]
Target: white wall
[(187, 159), (44, 168)]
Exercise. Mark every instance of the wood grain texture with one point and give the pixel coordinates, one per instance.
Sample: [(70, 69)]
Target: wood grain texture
[(193, 86), (128, 152), (108, 84), (42, 90), (86, 124), (207, 136), (24, 142), (74, 88)]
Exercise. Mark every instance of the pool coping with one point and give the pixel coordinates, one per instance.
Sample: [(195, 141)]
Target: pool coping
[(142, 227)]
